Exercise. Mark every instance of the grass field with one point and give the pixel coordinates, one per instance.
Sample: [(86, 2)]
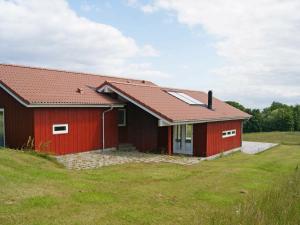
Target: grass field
[(237, 189), (287, 138)]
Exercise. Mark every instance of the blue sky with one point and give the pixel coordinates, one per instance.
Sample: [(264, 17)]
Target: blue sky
[(247, 51), (180, 54)]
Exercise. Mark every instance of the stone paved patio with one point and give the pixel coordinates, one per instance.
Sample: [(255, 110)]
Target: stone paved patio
[(95, 159)]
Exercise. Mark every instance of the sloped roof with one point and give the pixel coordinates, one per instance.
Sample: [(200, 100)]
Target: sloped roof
[(157, 100), (45, 86)]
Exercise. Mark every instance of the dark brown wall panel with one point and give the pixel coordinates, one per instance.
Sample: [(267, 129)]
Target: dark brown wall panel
[(141, 129), (200, 139), (18, 121)]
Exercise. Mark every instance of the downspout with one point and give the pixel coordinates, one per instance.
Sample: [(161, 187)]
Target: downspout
[(103, 126)]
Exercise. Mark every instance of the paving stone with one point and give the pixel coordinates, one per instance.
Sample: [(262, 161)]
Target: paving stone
[(96, 159)]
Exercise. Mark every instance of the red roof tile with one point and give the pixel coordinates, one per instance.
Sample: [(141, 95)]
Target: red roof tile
[(45, 86), (53, 87), (158, 100)]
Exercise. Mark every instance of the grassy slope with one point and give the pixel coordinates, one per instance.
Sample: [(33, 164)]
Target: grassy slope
[(37, 191)]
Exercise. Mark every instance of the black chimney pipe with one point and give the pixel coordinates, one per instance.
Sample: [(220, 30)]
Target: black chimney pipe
[(209, 102)]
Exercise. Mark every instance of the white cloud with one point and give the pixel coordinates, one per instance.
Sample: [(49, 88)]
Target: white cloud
[(50, 33), (258, 39)]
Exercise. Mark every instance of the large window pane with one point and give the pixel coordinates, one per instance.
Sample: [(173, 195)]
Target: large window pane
[(178, 133), (188, 131)]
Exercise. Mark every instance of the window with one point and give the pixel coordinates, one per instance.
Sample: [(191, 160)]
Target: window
[(228, 133), (186, 98), (122, 117), (178, 133), (188, 132), (60, 129)]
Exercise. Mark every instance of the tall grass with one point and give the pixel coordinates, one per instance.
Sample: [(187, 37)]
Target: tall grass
[(278, 206)]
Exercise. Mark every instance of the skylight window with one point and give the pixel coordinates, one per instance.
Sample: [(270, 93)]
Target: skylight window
[(186, 98)]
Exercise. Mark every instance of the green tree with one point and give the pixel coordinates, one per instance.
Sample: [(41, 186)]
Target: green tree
[(296, 110)]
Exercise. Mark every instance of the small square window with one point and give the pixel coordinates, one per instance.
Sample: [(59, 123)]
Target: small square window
[(60, 129), (122, 117)]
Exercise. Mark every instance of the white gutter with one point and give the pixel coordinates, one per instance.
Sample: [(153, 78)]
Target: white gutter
[(103, 126)]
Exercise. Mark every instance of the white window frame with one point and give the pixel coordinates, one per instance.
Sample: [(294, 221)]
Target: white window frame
[(228, 133), (124, 117), (2, 110), (66, 131)]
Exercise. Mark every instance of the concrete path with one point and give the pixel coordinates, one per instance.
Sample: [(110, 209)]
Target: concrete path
[(256, 147)]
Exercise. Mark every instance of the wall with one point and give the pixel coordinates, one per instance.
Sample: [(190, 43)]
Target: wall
[(18, 121), (141, 129), (85, 129), (208, 137), (199, 139)]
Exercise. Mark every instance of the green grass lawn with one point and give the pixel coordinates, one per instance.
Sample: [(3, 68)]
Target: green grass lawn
[(288, 138), (35, 190)]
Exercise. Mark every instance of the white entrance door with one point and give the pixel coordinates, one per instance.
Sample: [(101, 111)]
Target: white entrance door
[(2, 143), (183, 139)]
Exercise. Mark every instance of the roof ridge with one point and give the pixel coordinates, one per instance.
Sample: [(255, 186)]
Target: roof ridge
[(69, 71), (155, 86), (134, 84), (181, 89)]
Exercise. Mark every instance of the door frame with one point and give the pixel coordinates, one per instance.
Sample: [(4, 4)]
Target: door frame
[(183, 140), (2, 110)]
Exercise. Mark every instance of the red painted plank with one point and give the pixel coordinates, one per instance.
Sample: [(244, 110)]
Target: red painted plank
[(85, 129), (18, 121), (170, 140)]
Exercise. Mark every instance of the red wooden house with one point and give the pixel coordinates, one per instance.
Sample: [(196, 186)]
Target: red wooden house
[(67, 112)]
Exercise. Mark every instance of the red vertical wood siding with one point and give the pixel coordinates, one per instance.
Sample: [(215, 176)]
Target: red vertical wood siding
[(170, 141), (163, 139), (85, 129), (215, 143), (18, 121), (208, 138), (200, 139), (141, 129)]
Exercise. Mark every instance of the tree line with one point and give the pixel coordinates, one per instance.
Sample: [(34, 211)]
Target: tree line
[(277, 117)]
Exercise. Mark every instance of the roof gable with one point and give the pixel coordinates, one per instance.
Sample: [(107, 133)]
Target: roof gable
[(162, 105)]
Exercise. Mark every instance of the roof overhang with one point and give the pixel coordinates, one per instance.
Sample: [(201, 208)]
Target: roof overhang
[(27, 104), (107, 88)]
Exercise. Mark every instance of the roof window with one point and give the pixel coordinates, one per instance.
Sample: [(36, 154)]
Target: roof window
[(186, 98)]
